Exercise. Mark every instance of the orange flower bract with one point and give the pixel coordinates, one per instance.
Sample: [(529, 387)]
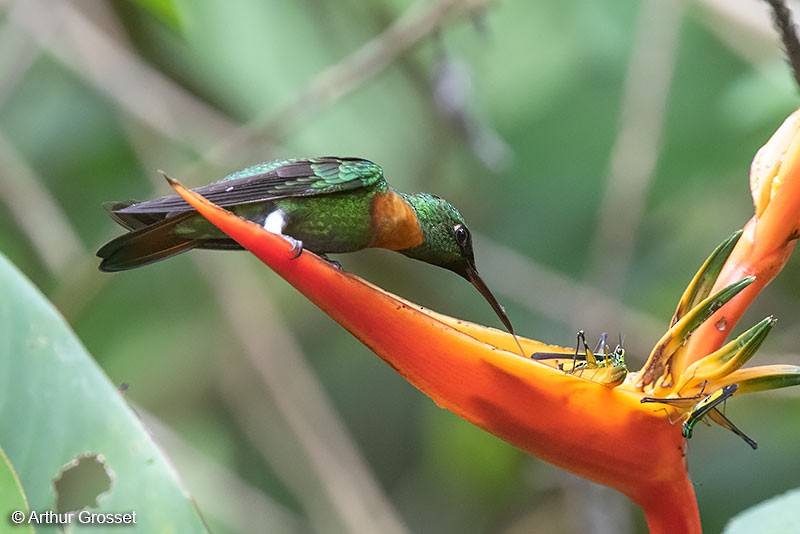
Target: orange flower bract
[(602, 431), (598, 432)]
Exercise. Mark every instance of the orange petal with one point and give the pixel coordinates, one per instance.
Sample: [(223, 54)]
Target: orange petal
[(601, 433)]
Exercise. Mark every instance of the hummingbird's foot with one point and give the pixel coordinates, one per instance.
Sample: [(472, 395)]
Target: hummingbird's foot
[(297, 246), (335, 264), (275, 222)]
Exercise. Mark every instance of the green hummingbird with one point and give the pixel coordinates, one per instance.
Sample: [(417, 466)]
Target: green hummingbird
[(325, 204)]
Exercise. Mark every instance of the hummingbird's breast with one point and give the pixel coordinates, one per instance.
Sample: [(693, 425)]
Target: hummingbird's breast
[(329, 223)]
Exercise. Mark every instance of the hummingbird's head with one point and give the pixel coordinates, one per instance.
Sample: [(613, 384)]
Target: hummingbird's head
[(448, 243)]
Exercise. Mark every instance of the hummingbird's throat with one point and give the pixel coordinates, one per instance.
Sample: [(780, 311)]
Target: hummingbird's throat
[(393, 223)]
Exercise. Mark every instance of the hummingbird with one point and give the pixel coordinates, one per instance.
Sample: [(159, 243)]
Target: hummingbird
[(325, 204)]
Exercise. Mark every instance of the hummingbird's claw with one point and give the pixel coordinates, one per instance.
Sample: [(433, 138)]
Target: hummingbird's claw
[(297, 246), (335, 264)]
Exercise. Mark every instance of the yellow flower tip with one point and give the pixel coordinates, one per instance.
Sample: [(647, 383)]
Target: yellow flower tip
[(663, 366), (731, 357), (775, 186), (696, 399), (765, 176), (710, 381), (764, 378)]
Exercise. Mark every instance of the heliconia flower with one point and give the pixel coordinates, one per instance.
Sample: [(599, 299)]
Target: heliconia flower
[(576, 408), (767, 239)]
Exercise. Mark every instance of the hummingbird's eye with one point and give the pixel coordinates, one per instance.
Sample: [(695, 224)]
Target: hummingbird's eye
[(462, 235)]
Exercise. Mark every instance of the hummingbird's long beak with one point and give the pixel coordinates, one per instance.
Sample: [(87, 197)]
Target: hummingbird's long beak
[(476, 280)]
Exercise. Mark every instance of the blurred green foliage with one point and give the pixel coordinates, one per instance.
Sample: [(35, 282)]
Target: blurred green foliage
[(68, 434), (779, 514), (94, 97)]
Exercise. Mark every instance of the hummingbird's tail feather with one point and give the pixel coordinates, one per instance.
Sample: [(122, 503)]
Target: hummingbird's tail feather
[(131, 221), (145, 245)]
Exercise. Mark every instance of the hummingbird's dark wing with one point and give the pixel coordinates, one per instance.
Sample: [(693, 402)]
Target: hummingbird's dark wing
[(270, 181), (153, 224)]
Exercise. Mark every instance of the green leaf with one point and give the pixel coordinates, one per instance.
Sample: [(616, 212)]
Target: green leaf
[(11, 495), (778, 515), (163, 10), (702, 283), (59, 411)]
